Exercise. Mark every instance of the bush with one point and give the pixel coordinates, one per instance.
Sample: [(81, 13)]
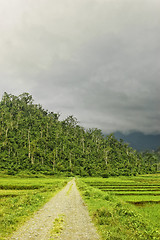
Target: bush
[(105, 175)]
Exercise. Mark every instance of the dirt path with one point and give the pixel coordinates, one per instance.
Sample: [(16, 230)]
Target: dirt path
[(69, 205)]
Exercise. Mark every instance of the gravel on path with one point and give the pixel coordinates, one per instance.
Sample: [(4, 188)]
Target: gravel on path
[(77, 224)]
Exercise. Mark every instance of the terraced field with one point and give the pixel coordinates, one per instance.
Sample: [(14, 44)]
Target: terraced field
[(136, 190), (142, 191)]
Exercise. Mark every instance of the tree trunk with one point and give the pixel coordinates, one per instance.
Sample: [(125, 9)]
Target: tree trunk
[(70, 161), (29, 145)]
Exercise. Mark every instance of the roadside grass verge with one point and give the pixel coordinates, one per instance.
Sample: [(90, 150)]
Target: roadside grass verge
[(114, 218), (21, 197)]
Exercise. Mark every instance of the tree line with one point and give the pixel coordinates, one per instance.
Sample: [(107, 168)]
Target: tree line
[(35, 140)]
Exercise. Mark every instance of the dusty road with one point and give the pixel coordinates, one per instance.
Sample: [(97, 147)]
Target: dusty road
[(67, 204)]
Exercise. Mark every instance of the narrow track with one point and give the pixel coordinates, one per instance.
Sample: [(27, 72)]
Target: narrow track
[(68, 203)]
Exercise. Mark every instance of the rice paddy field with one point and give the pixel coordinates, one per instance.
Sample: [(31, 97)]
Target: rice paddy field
[(141, 191), (21, 197)]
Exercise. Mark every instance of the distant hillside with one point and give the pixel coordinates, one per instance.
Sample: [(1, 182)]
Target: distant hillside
[(140, 141), (35, 140)]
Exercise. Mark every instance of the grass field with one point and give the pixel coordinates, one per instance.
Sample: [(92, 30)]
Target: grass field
[(137, 198), (21, 197), (123, 208)]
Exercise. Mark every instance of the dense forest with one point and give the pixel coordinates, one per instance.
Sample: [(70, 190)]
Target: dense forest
[(35, 140)]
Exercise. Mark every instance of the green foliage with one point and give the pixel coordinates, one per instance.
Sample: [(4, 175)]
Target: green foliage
[(34, 140)]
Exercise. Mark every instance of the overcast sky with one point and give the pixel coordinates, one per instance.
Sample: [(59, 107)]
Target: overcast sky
[(98, 60)]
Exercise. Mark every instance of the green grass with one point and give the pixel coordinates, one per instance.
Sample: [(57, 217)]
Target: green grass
[(110, 180), (57, 227), (152, 212), (140, 198), (148, 193), (21, 197), (114, 217)]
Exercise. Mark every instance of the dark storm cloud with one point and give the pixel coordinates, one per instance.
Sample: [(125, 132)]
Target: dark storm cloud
[(95, 59)]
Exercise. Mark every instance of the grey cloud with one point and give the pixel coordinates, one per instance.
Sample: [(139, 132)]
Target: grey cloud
[(97, 60)]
